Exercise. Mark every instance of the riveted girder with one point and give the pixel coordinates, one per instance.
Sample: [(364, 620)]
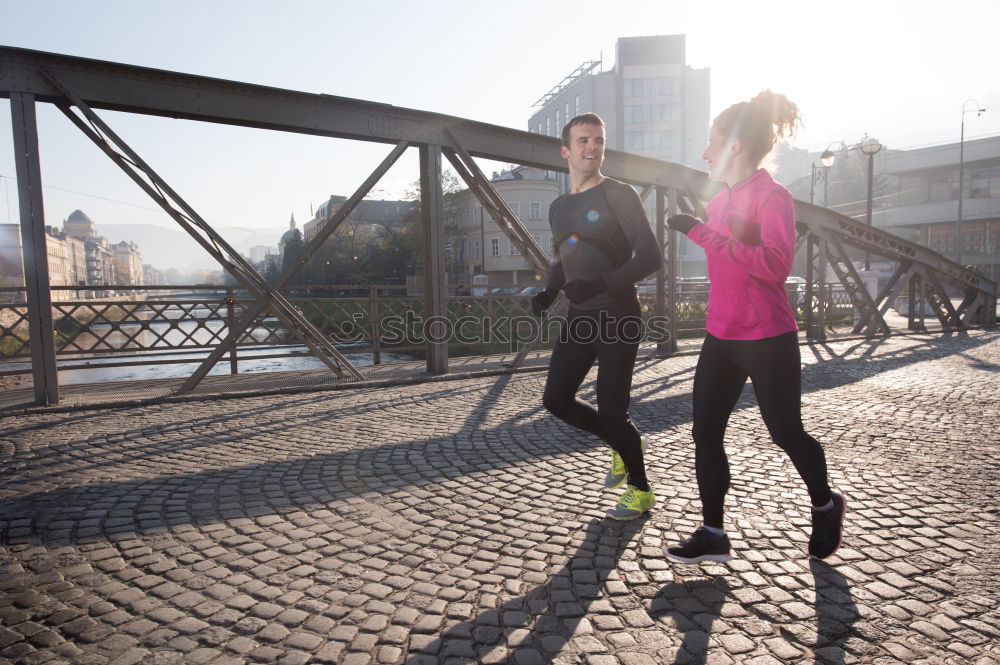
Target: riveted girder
[(80, 87)]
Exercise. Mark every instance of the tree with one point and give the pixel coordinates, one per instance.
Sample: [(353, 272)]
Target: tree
[(291, 254)]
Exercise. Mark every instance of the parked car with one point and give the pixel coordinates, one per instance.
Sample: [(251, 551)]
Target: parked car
[(796, 285), (531, 290), (505, 291)]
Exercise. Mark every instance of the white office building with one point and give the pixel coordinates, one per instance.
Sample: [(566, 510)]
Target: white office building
[(653, 104)]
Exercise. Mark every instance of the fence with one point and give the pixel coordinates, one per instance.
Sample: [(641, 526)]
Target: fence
[(180, 324)]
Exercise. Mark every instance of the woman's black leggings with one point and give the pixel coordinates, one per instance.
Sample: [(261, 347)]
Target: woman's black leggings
[(772, 364), (613, 341)]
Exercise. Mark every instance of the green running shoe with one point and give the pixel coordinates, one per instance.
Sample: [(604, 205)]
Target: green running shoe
[(632, 504), (617, 475)]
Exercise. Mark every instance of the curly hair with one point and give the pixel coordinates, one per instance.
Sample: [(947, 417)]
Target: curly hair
[(760, 122)]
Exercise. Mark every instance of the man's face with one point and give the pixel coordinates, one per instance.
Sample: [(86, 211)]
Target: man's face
[(585, 153)]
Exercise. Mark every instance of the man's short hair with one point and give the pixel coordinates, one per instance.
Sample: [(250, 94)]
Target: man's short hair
[(582, 119)]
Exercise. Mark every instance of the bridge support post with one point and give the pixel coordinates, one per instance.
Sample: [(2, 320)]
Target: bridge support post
[(34, 249), (436, 325), (666, 299)]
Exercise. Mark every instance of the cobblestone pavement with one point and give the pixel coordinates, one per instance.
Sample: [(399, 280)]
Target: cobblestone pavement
[(456, 522)]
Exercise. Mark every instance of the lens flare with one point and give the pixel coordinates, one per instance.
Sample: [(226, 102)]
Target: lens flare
[(593, 216)]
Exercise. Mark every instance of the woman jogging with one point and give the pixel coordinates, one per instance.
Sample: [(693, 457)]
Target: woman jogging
[(749, 243)]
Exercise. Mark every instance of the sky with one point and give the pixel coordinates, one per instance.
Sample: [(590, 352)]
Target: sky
[(898, 70)]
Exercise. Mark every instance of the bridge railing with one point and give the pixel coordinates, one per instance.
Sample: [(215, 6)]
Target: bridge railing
[(80, 87), (121, 326)]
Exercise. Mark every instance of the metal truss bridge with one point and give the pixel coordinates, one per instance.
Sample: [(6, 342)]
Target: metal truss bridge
[(81, 87)]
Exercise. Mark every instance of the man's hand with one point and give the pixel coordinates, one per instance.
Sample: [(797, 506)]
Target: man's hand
[(683, 223), (581, 290), (542, 301)]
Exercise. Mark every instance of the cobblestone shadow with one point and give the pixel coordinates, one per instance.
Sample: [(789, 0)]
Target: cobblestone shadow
[(536, 626), (836, 614), (693, 606)]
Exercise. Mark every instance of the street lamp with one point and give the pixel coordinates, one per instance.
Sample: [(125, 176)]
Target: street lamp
[(961, 175), (827, 159), (870, 147)]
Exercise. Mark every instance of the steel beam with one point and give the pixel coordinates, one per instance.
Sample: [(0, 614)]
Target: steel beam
[(35, 250), (512, 227), (143, 175), (333, 223), (119, 87)]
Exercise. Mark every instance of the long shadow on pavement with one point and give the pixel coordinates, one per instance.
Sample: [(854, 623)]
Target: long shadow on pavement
[(536, 626), (263, 486), (835, 614), (693, 606)]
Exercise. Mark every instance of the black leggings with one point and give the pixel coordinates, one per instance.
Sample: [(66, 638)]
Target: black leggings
[(612, 339), (772, 364)]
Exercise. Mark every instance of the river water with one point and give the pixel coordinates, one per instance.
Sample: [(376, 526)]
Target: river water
[(165, 338), (97, 374)]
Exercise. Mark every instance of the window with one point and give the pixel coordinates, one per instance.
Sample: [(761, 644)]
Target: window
[(660, 86), (558, 126), (576, 103), (567, 112), (548, 125), (512, 249), (985, 183), (535, 210), (913, 189), (494, 246), (539, 127), (944, 186), (515, 207)]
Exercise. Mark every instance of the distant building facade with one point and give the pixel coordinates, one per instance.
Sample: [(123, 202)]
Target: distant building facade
[(292, 235), (653, 104), (100, 258), (915, 196), (480, 247), (77, 256), (260, 252), (922, 200), (128, 263), (67, 258), (367, 219)]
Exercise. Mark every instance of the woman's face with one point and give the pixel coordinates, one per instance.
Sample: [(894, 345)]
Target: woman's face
[(718, 154)]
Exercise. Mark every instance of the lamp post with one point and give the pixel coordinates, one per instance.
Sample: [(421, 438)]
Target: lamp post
[(827, 159), (961, 175), (870, 147)]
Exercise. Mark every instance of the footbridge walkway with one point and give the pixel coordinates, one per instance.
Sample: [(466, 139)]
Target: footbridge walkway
[(454, 521), (434, 513)]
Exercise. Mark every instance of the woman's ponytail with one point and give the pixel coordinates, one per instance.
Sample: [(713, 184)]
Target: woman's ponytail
[(760, 122)]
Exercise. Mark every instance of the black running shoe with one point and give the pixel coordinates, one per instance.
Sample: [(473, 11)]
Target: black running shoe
[(827, 528), (701, 546)]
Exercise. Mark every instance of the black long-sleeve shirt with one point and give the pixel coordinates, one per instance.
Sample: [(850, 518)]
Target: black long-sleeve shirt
[(602, 233)]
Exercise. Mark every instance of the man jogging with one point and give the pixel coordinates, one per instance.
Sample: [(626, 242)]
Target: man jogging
[(603, 247)]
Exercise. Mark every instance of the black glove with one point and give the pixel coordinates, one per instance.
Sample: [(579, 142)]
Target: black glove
[(581, 290), (542, 301), (683, 222)]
